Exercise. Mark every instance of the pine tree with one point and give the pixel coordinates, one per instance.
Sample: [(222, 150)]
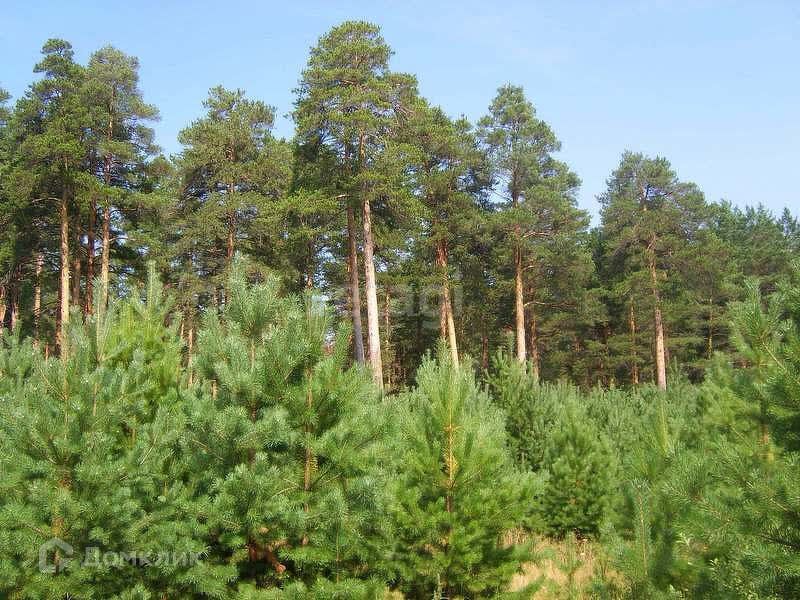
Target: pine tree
[(748, 513), (121, 144), (576, 496), (650, 220), (91, 487), (50, 149), (520, 145), (350, 101), (290, 445), (234, 174), (447, 186), (458, 492)]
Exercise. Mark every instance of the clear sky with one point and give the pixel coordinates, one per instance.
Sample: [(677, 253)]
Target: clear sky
[(713, 86)]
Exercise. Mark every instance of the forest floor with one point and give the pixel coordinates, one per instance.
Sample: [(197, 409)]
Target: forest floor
[(565, 569)]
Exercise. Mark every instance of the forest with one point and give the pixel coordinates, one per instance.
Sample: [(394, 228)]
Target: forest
[(389, 357)]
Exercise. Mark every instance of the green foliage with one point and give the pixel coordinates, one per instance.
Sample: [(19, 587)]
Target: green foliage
[(289, 445), (255, 442), (458, 492), (552, 434), (87, 452), (234, 174), (577, 493)]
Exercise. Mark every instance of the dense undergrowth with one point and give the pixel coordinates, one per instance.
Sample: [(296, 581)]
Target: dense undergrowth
[(264, 465)]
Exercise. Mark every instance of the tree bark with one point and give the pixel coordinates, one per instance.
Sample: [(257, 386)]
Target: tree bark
[(88, 307), (108, 163), (355, 293), (371, 290), (64, 275), (105, 256), (15, 307), (3, 306), (448, 323), (311, 267), (37, 297), (387, 327), (76, 270), (519, 305), (634, 342), (660, 347)]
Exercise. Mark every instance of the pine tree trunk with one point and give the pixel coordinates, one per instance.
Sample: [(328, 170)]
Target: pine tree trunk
[(64, 275), (15, 306), (311, 267), (442, 316), (519, 305), (451, 330), (355, 293), (387, 328), (230, 250), (371, 291), (106, 244), (3, 306), (447, 322), (105, 256), (634, 342), (37, 297), (76, 270), (661, 360), (90, 257)]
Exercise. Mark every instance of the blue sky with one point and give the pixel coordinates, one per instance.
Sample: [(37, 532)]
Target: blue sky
[(713, 86)]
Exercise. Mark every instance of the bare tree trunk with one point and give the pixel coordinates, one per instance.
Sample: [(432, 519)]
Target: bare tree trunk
[(106, 250), (37, 297), (90, 257), (448, 324), (519, 305), (3, 306), (661, 360), (451, 330), (355, 293), (371, 291), (105, 257), (64, 276), (387, 327), (634, 342), (15, 307), (76, 270), (442, 316), (311, 267)]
